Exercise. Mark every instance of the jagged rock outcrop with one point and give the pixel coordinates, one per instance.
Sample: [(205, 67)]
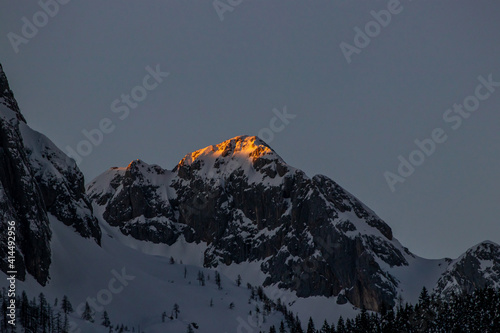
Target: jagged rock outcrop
[(21, 201), (61, 183), (36, 179), (7, 96), (247, 204), (139, 204), (478, 267)]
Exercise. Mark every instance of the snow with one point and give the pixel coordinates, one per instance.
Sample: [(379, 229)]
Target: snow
[(235, 154), (320, 308), (39, 147), (418, 274), (101, 184), (317, 307), (249, 270), (6, 113), (80, 269), (267, 233), (486, 264)]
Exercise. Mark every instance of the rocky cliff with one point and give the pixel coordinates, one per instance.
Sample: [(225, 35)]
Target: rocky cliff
[(36, 179), (478, 267)]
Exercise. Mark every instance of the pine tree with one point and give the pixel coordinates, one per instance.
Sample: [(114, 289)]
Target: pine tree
[(65, 324), (24, 310), (201, 278), (298, 327), (424, 298), (282, 327), (105, 319), (349, 325), (58, 323), (400, 301), (260, 293), (310, 326), (50, 318), (88, 314), (272, 329), (238, 280), (325, 328), (341, 325), (66, 305), (4, 309), (387, 321), (176, 310), (190, 329), (363, 323), (42, 310), (217, 280), (424, 315)]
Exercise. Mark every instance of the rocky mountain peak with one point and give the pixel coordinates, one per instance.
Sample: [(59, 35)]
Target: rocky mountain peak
[(246, 156), (485, 249), (242, 200), (478, 267), (7, 96), (241, 148), (135, 167)]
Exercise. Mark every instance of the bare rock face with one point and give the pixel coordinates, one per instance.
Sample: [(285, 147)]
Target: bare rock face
[(21, 201), (247, 204), (138, 205), (7, 96), (36, 178), (478, 267)]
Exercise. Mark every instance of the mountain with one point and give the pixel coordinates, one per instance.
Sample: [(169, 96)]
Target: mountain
[(36, 180), (242, 200), (306, 235), (478, 267), (61, 249), (142, 234)]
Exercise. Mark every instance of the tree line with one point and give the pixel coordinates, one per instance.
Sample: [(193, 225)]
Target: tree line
[(40, 315), (475, 312)]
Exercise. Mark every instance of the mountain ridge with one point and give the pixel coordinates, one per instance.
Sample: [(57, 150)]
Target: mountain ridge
[(235, 207), (220, 175)]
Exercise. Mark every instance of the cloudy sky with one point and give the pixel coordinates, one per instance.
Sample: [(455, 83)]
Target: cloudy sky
[(360, 81)]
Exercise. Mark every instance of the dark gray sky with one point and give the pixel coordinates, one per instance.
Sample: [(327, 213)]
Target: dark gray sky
[(352, 120)]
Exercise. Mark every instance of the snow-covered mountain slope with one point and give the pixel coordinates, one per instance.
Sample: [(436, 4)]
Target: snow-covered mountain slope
[(61, 183), (135, 288), (305, 236), (248, 205), (192, 254), (478, 267)]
